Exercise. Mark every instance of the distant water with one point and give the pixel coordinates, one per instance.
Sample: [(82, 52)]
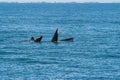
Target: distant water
[(94, 54)]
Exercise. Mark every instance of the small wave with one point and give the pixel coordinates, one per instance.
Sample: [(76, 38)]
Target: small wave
[(115, 22), (107, 56), (29, 60), (9, 53), (42, 62)]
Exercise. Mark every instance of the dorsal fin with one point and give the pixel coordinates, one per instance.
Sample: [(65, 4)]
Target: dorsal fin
[(55, 37)]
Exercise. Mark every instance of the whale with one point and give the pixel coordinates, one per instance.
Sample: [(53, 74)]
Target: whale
[(36, 40), (55, 37)]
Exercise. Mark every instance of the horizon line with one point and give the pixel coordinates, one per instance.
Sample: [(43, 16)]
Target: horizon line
[(60, 2)]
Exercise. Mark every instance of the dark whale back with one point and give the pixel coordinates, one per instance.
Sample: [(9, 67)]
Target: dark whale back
[(68, 39), (38, 39)]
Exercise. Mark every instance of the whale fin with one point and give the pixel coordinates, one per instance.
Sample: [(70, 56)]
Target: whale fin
[(68, 39), (38, 39), (55, 37)]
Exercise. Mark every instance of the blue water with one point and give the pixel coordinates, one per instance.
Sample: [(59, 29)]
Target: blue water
[(94, 54)]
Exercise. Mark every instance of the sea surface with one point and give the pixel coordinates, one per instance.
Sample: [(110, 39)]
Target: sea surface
[(93, 55)]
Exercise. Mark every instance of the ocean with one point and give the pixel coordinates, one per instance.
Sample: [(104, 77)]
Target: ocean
[(93, 55)]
